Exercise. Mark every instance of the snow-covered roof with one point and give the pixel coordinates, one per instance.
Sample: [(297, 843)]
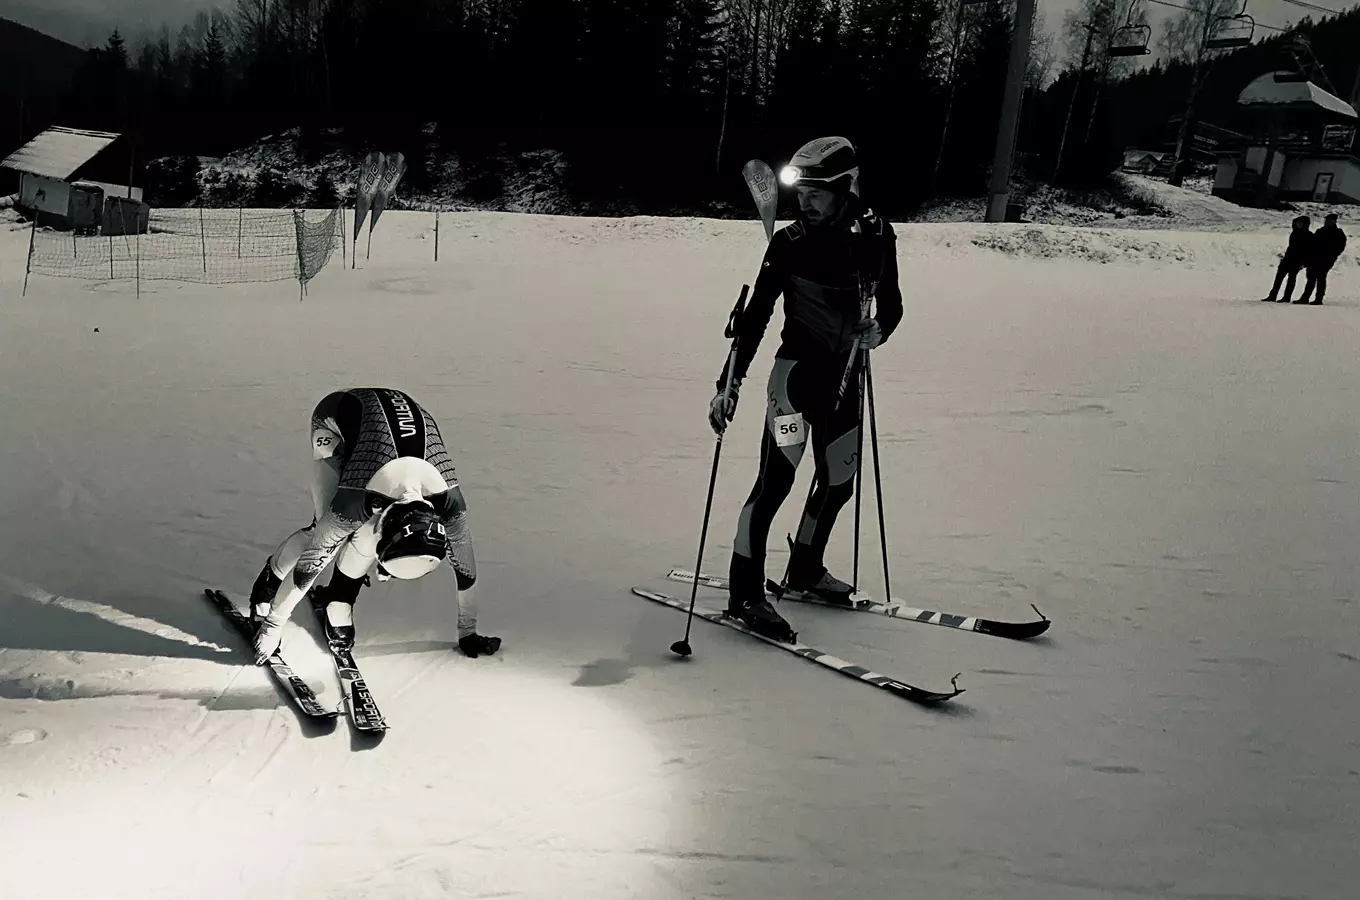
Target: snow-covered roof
[(59, 152), (1266, 91)]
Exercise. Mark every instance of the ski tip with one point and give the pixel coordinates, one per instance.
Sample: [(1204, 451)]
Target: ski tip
[(1040, 628)]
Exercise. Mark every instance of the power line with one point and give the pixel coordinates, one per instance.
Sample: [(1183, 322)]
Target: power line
[(1189, 9), (1326, 9)]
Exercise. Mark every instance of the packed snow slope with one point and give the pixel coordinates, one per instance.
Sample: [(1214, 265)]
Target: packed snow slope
[(1106, 424)]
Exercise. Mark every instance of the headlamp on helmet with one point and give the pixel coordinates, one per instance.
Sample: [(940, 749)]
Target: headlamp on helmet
[(828, 163)]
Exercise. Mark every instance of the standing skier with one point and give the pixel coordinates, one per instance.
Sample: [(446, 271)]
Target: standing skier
[(384, 491), (827, 265)]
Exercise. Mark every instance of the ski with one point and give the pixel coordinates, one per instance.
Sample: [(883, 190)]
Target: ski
[(297, 689), (1019, 631), (892, 685), (363, 709)]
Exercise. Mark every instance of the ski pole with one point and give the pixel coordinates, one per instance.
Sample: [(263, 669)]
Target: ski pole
[(859, 472), (682, 646), (878, 479)]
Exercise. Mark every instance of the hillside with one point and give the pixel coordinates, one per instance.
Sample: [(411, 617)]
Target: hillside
[(281, 170), (35, 73)]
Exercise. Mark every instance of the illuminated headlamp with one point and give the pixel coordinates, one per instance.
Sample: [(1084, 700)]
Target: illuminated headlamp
[(793, 176)]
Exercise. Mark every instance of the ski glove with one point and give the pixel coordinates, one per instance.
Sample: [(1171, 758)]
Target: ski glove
[(267, 640), (870, 334), (723, 407), (474, 645)]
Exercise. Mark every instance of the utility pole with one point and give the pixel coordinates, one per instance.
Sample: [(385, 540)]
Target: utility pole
[(1016, 70)]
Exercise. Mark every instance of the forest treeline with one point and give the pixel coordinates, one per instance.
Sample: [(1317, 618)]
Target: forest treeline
[(663, 100)]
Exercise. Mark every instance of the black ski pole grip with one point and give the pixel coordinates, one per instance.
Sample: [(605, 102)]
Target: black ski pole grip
[(734, 320)]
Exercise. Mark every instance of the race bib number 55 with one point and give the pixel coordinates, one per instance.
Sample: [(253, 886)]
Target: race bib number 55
[(324, 443)]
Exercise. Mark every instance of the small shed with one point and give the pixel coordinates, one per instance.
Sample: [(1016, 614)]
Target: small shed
[(1303, 146), (65, 174), (1143, 162)]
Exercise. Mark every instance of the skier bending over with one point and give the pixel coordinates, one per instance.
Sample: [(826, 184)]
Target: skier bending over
[(827, 264), (383, 490)]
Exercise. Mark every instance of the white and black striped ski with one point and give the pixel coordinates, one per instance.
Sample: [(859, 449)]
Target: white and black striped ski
[(363, 709), (892, 685), (300, 692), (861, 602)]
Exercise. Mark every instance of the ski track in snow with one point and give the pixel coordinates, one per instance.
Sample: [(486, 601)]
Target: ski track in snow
[(1106, 424)]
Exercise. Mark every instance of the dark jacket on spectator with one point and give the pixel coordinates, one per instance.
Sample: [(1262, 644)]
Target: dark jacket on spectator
[(1300, 244), (1327, 244)]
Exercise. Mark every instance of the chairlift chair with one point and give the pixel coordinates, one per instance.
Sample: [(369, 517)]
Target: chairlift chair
[(1130, 40), (1231, 32)]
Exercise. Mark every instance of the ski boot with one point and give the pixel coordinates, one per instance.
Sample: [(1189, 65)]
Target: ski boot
[(334, 606), (824, 587), (748, 603), (263, 593)]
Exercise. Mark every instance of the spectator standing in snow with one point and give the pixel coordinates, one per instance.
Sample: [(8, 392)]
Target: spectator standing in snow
[(1327, 245), (1294, 259)]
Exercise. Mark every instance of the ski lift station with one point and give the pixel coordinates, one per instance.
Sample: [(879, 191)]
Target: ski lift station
[(1301, 147)]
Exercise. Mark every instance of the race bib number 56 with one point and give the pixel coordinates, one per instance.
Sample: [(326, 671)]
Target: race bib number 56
[(790, 430)]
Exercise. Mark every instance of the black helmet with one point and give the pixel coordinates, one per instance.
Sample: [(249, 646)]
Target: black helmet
[(411, 539)]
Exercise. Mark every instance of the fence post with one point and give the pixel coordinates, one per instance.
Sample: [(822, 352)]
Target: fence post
[(302, 265), (137, 227), (240, 227), (28, 264), (203, 239), (436, 234)]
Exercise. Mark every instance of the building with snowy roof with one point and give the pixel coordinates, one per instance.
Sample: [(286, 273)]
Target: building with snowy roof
[(73, 179), (1302, 145)]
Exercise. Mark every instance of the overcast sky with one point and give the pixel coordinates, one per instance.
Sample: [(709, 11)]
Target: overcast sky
[(87, 22)]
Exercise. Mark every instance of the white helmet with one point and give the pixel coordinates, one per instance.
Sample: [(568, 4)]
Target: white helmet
[(829, 162), (411, 540)]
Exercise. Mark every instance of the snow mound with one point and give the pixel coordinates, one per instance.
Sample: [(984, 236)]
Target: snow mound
[(1193, 205)]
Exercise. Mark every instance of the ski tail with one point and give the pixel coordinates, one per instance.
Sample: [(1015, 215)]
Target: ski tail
[(297, 689)]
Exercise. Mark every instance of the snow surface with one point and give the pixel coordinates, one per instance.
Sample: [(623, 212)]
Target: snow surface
[(1106, 424)]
